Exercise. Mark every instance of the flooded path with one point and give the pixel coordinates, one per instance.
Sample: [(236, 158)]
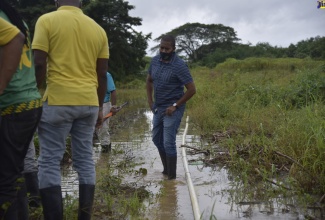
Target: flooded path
[(215, 190)]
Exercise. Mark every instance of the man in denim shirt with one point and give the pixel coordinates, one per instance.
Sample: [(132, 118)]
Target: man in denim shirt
[(167, 76)]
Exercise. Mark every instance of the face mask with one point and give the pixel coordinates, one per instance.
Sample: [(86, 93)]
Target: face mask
[(166, 56)]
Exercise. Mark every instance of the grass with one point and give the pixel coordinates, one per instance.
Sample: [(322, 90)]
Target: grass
[(273, 111)]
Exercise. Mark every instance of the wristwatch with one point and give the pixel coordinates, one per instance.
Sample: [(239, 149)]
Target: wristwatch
[(175, 105)]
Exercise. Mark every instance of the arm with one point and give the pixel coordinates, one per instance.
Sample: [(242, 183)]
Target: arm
[(40, 59), (10, 58), (190, 91), (114, 109), (101, 70), (113, 97), (149, 87)]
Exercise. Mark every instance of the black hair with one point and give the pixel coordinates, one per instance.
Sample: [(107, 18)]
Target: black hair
[(14, 17), (169, 38)]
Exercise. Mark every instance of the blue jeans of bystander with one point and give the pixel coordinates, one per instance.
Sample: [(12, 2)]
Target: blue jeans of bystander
[(55, 125)]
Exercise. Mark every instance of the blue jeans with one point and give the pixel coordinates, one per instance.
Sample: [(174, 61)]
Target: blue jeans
[(55, 125), (165, 129)]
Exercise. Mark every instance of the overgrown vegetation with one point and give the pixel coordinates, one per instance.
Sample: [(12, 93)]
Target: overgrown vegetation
[(268, 114), (114, 198)]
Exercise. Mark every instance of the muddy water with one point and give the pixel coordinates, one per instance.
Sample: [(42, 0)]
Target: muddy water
[(171, 199)]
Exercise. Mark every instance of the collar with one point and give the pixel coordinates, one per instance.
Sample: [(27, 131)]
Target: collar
[(69, 8)]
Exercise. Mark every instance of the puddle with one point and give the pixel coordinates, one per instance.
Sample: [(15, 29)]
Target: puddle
[(171, 200)]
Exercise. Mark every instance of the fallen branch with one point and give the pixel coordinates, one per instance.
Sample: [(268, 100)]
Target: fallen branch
[(286, 156), (271, 181), (206, 153), (296, 162)]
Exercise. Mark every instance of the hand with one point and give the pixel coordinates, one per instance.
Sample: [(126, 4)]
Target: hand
[(170, 110), (114, 109)]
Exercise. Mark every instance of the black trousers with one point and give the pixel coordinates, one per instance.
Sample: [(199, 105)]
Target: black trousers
[(16, 132)]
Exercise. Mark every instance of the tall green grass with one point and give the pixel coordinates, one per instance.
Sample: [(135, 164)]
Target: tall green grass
[(268, 106)]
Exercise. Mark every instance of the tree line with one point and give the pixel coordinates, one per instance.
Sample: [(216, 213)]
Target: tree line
[(201, 44), (210, 44)]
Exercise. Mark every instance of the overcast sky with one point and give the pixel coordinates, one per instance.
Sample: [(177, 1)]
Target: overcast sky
[(278, 22)]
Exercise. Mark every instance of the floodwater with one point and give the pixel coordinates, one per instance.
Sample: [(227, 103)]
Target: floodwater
[(214, 188)]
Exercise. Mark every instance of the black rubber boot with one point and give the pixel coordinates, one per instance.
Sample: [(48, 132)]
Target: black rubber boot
[(86, 198), (31, 181), (171, 167), (51, 198), (164, 162), (106, 148)]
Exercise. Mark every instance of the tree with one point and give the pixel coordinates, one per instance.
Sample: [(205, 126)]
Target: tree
[(195, 39), (127, 47), (31, 10)]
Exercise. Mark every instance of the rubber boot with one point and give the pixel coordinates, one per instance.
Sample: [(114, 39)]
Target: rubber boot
[(106, 148), (171, 167), (164, 162), (86, 198), (31, 181), (51, 198)]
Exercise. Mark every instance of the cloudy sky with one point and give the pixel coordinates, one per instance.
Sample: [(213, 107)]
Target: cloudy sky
[(278, 22)]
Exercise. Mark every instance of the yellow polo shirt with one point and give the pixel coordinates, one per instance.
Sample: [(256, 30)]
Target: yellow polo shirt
[(7, 31), (73, 42)]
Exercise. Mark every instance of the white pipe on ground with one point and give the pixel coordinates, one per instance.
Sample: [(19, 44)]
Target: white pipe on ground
[(195, 205)]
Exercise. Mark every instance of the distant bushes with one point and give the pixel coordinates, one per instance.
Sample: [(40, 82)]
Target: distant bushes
[(258, 64), (312, 48)]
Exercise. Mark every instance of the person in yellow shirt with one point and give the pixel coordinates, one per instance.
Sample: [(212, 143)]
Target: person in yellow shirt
[(71, 52), (20, 110)]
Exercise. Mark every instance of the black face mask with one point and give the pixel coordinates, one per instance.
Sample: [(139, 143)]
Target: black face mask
[(166, 56)]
